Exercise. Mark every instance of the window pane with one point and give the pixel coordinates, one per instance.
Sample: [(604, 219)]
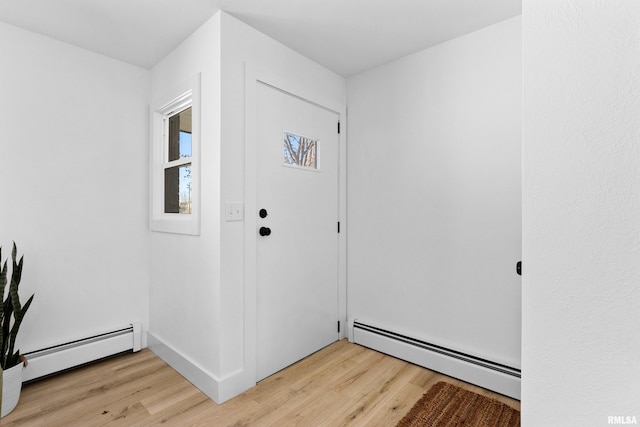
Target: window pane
[(300, 151), (180, 135), (177, 189)]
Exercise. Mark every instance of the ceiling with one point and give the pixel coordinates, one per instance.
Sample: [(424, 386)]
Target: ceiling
[(346, 36)]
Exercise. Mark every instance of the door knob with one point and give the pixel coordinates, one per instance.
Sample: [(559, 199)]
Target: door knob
[(264, 231), (262, 213)]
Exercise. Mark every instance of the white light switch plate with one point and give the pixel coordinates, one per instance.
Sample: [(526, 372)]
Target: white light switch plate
[(234, 211)]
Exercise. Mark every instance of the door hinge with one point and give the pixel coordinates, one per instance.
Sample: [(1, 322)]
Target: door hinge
[(338, 127), (519, 268), (338, 226), (338, 326)]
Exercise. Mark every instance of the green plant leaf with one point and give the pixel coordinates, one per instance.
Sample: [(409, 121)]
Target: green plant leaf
[(12, 312), (18, 316), (3, 284)]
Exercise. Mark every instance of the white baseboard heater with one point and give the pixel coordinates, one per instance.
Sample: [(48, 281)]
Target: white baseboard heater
[(69, 355), (482, 372)]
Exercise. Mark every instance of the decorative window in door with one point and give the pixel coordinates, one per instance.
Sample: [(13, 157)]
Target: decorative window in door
[(300, 151)]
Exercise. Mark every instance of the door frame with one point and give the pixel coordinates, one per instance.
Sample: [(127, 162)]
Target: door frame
[(254, 75)]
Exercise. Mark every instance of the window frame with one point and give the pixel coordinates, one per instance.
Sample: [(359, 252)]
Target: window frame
[(169, 104)]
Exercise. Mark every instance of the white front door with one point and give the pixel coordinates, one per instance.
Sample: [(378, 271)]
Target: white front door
[(297, 236)]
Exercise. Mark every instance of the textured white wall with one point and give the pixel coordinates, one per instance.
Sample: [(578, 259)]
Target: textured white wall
[(581, 205), (434, 194), (73, 180)]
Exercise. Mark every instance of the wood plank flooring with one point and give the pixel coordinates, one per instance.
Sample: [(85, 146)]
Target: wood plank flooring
[(341, 385)]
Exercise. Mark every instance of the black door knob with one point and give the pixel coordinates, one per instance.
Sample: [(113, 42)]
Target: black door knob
[(264, 231), (263, 213)]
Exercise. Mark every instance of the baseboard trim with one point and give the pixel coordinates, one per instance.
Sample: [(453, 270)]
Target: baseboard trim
[(217, 389), (206, 382)]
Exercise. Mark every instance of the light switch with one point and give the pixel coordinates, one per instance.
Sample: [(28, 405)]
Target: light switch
[(234, 211)]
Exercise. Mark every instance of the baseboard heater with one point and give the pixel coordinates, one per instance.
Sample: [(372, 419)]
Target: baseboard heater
[(482, 372), (54, 359)]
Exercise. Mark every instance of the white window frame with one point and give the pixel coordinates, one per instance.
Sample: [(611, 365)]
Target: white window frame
[(174, 101)]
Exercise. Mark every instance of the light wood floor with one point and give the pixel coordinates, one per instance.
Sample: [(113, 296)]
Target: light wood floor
[(341, 385)]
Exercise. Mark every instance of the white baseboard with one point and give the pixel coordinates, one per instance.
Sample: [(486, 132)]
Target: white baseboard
[(217, 389)]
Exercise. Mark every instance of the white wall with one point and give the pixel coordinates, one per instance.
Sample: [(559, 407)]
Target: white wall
[(581, 205), (434, 194), (184, 300), (73, 179)]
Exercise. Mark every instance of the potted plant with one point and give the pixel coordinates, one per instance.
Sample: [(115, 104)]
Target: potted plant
[(11, 361)]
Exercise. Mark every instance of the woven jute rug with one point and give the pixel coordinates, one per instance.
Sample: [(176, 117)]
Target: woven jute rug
[(447, 405)]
